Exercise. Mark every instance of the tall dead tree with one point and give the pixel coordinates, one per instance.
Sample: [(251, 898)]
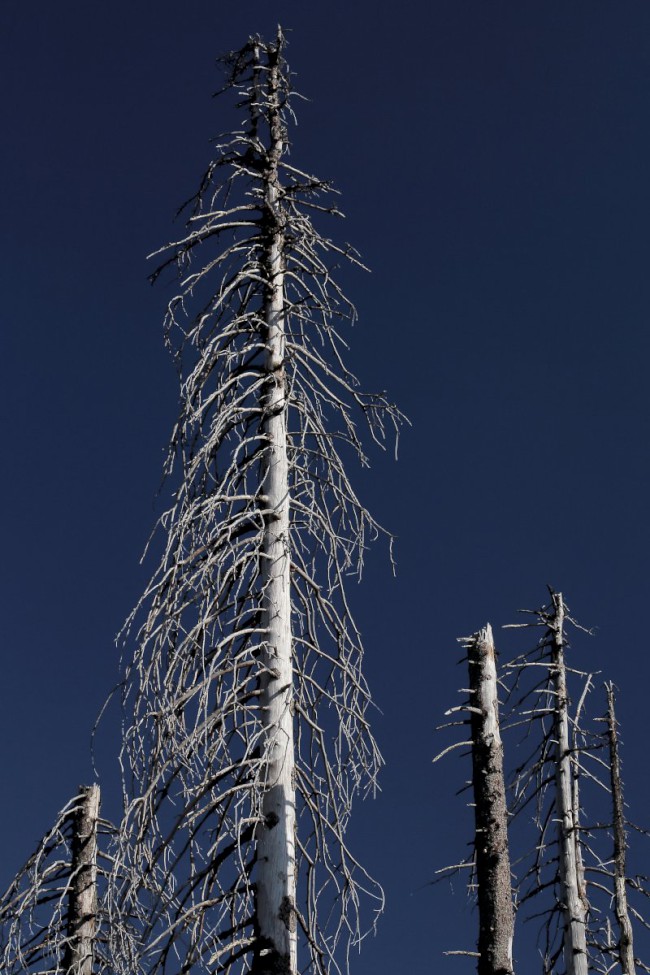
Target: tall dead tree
[(548, 779), (82, 899), (53, 917), (625, 938), (494, 888), (490, 863), (572, 883), (246, 732)]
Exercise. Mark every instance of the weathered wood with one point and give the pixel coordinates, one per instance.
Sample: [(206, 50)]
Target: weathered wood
[(496, 913), (625, 938), (82, 899), (574, 905), (276, 868)]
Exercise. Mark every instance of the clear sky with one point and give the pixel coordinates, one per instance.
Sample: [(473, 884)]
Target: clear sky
[(493, 160)]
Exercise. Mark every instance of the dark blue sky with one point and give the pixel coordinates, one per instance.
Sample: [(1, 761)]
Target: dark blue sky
[(493, 161)]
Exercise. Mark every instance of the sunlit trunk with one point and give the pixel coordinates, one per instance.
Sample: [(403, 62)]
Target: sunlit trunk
[(276, 883)]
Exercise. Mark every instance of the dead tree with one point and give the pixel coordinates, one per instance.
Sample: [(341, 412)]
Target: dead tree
[(625, 939), (578, 886), (573, 893), (246, 731), (616, 895), (494, 889), (548, 779), (490, 864), (53, 917), (82, 899)]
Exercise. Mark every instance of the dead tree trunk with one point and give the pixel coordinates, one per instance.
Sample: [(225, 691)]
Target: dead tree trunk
[(573, 903), (625, 942), (276, 873), (82, 899), (496, 914)]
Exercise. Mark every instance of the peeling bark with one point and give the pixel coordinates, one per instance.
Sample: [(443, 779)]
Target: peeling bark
[(625, 940), (82, 899), (496, 914)]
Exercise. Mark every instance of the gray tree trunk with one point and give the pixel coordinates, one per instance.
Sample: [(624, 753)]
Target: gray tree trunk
[(496, 914), (574, 906), (82, 899), (625, 940), (276, 867)]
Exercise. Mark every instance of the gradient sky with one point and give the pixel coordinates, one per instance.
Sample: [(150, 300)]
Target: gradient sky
[(493, 160)]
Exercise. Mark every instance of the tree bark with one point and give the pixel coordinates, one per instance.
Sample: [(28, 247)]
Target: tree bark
[(82, 899), (496, 914), (276, 867), (573, 903), (625, 940)]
